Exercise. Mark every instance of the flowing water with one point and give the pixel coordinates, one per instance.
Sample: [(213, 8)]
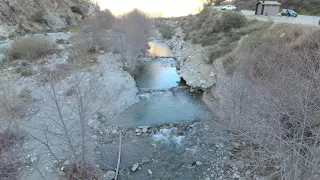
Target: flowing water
[(161, 99)]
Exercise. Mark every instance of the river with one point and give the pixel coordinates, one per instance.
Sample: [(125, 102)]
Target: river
[(163, 99)]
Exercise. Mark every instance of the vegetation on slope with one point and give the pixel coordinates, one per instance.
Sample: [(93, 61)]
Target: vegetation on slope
[(218, 31), (271, 101), (270, 95)]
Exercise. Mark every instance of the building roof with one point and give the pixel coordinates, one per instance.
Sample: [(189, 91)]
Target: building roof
[(269, 3)]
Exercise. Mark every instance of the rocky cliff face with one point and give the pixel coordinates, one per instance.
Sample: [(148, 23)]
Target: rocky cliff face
[(24, 16)]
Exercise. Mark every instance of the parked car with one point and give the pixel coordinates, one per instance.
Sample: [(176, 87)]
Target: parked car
[(228, 7), (289, 12)]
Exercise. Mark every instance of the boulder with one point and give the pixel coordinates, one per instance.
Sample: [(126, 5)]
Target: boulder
[(134, 167)]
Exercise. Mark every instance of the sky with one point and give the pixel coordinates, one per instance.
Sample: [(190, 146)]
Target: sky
[(165, 8)]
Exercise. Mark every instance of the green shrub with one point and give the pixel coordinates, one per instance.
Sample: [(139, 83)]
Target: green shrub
[(166, 30), (228, 20), (77, 10), (217, 51), (26, 72), (25, 93), (60, 41), (31, 48), (39, 17), (225, 41), (208, 40), (207, 27)]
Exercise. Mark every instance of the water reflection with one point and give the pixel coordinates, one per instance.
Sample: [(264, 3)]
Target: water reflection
[(157, 49), (158, 74)]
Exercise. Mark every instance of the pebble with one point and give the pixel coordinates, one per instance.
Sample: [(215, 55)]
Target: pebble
[(47, 168), (236, 144), (94, 124), (149, 171), (134, 167), (34, 159), (199, 163), (114, 131), (235, 176), (66, 162), (110, 175), (60, 173), (203, 81), (144, 130)]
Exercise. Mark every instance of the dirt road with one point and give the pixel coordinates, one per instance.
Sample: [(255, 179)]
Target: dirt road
[(301, 19)]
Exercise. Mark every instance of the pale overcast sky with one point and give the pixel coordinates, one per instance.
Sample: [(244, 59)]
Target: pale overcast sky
[(167, 7)]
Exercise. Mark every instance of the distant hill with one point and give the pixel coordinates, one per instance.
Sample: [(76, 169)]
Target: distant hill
[(310, 7)]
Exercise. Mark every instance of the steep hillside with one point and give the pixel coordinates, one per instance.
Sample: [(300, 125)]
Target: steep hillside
[(310, 7), (23, 16), (267, 86)]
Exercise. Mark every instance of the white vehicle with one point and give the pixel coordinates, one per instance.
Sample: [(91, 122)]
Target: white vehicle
[(228, 7)]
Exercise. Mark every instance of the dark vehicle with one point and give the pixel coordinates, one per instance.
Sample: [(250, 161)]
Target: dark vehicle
[(288, 12)]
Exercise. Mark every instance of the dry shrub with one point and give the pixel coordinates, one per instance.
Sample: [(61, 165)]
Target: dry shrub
[(75, 172), (12, 105), (272, 103), (60, 72), (23, 67), (229, 65), (6, 141), (131, 35), (9, 161), (31, 48)]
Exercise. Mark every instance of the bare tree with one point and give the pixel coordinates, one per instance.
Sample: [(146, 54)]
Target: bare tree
[(65, 117), (130, 36)]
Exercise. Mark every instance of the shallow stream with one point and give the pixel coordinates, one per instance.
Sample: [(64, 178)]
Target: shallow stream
[(162, 98)]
